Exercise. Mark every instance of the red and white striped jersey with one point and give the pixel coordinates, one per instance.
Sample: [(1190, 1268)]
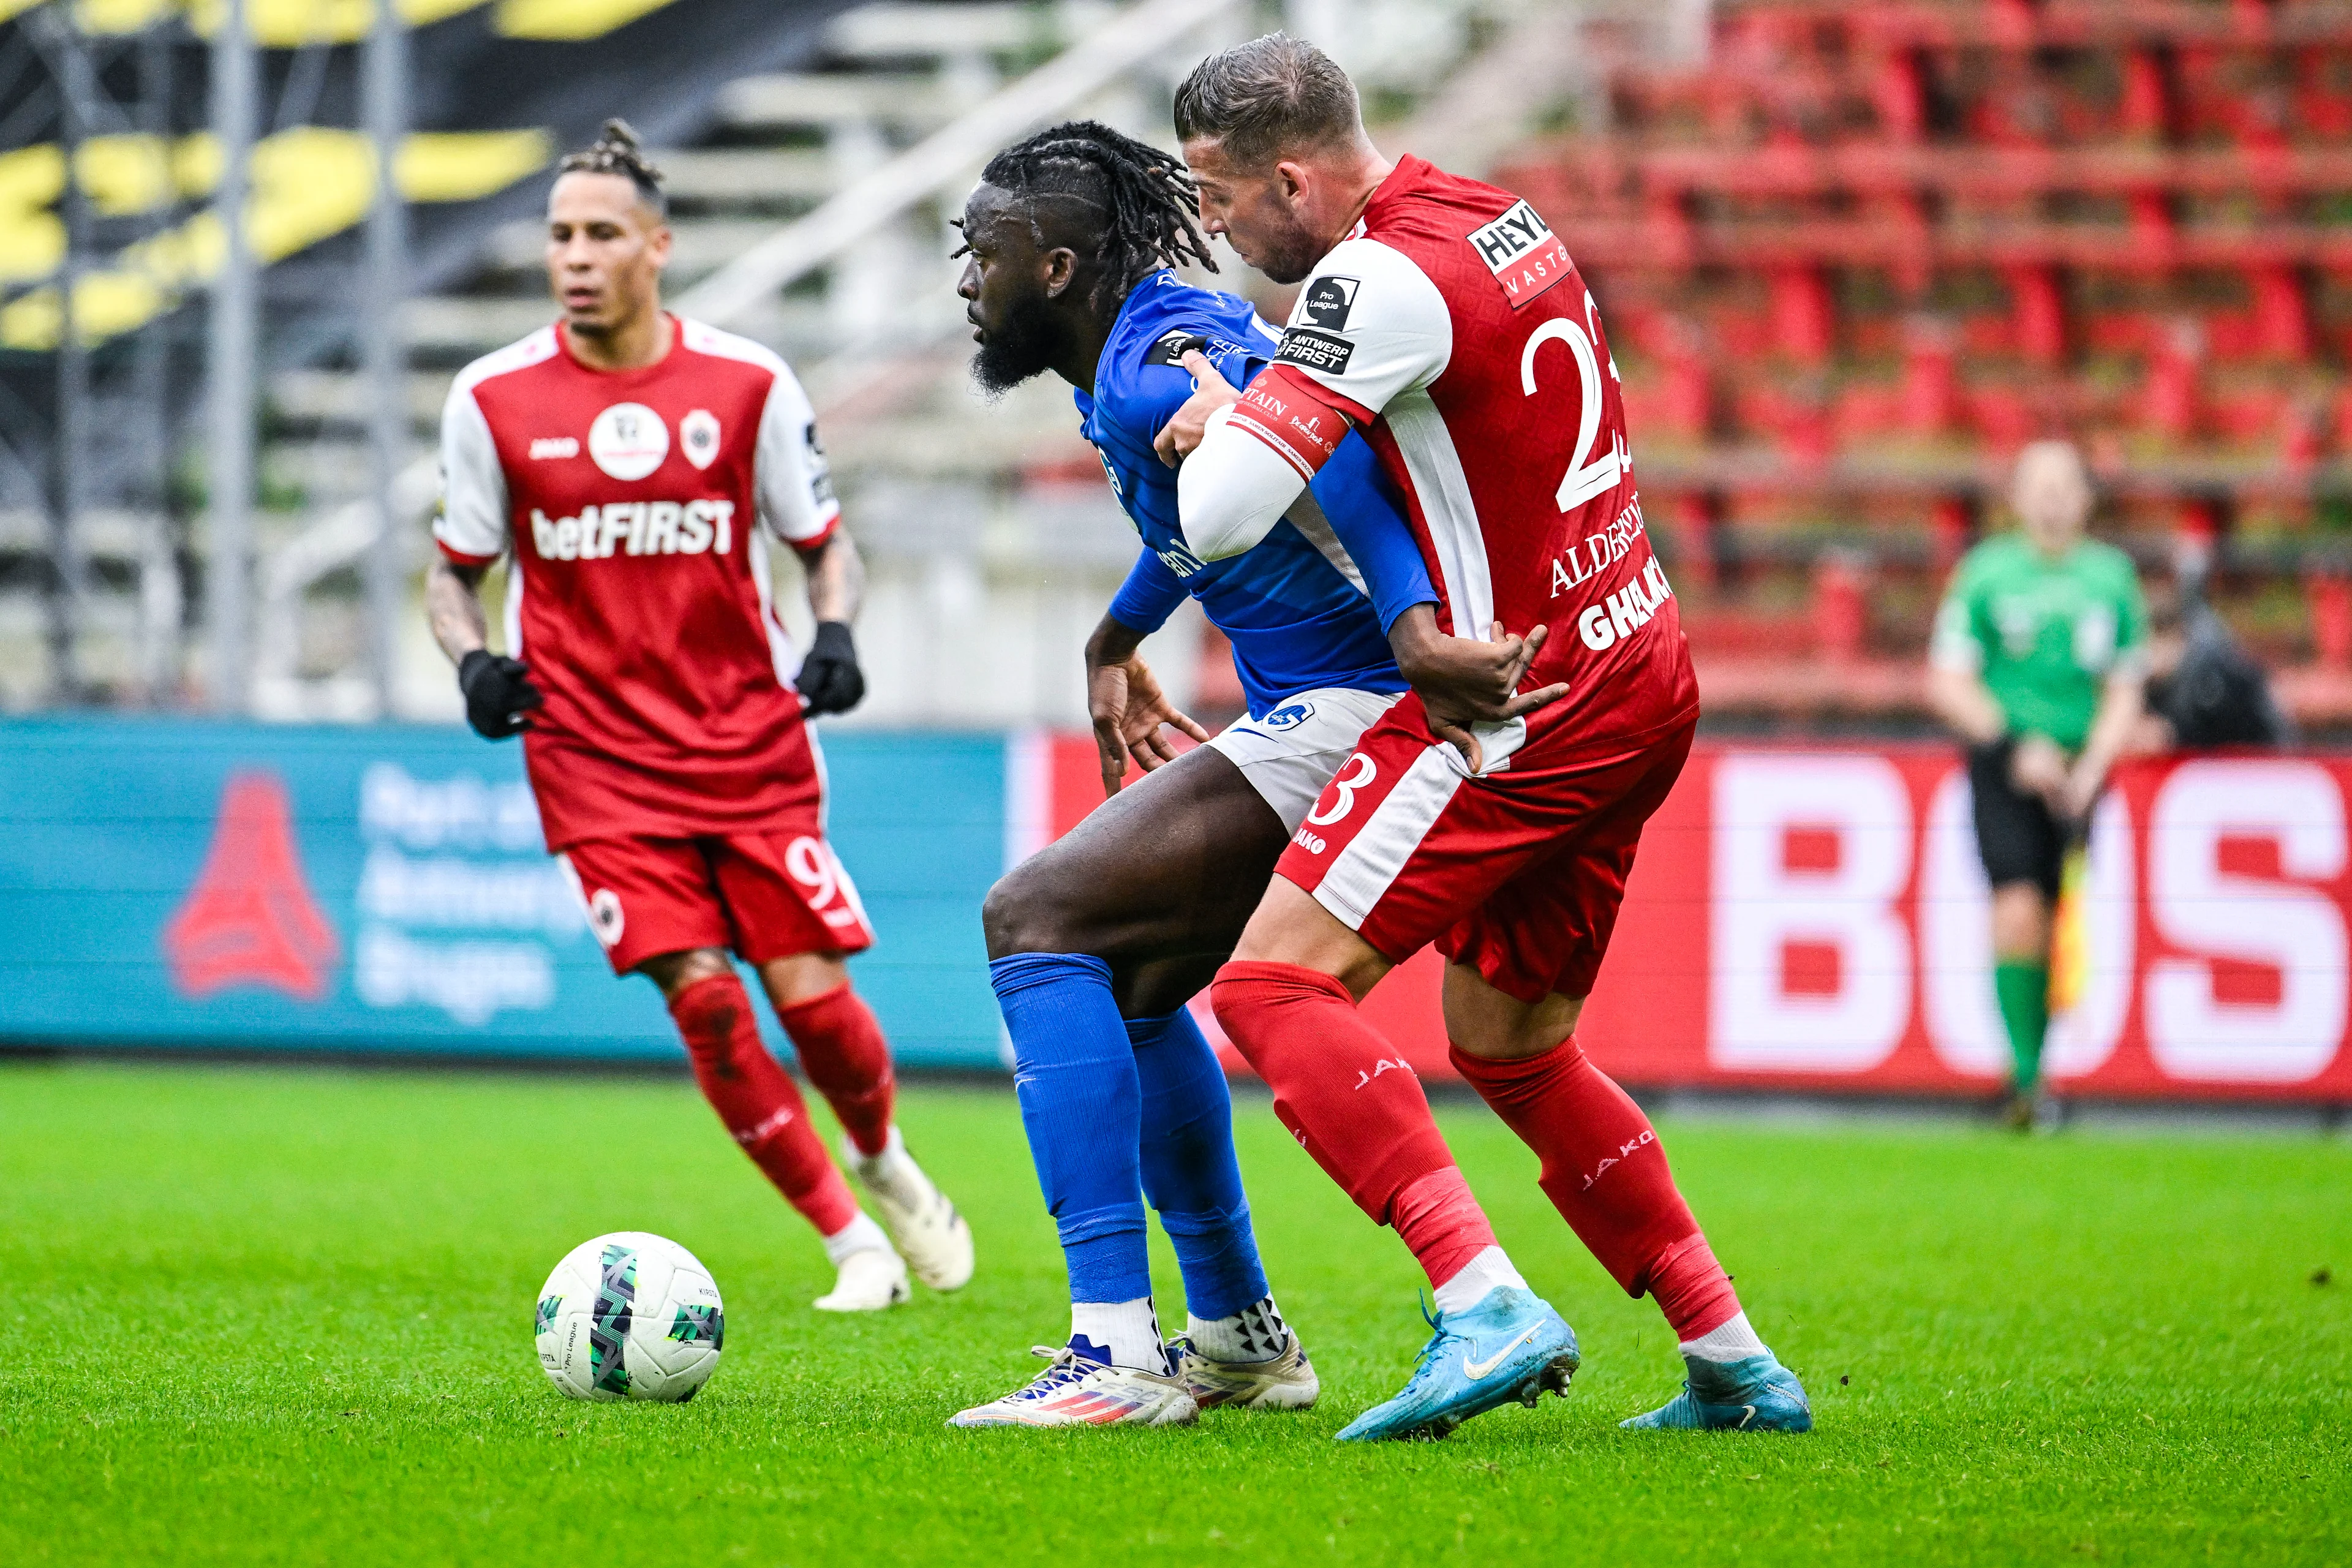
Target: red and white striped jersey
[(1453, 329), (638, 594)]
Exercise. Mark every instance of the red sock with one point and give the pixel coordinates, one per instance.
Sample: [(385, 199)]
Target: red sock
[(842, 1051), (757, 1101), (1345, 1094), (1438, 1218), (1604, 1170), (1692, 1289)]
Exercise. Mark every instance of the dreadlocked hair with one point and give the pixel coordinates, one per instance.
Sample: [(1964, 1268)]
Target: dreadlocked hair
[(1147, 198), (617, 152)]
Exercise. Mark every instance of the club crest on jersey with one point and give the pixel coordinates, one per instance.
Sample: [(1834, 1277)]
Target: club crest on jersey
[(1520, 249), (628, 440), (1328, 302), (697, 437)]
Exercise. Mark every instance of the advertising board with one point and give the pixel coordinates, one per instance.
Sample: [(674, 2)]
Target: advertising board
[(1816, 920), (176, 883), (1799, 918)]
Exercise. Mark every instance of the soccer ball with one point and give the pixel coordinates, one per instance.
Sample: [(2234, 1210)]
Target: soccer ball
[(630, 1316)]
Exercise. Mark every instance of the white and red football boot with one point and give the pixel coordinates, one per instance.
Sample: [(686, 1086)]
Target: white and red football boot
[(1076, 1390)]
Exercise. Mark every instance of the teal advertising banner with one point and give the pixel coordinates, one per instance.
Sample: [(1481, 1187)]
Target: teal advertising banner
[(384, 888)]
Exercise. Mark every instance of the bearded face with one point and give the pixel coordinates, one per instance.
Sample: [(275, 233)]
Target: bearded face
[(1004, 287), (1024, 341)]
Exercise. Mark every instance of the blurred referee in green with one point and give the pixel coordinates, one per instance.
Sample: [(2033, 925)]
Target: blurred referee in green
[(2039, 664)]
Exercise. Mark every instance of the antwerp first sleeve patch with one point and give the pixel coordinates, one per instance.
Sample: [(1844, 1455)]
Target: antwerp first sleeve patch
[(1520, 249), (1316, 351)]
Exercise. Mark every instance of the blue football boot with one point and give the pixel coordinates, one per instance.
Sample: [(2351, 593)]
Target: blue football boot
[(1758, 1395), (1511, 1345)]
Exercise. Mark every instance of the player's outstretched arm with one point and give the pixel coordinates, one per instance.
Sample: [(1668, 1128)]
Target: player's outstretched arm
[(1241, 476), (830, 681), (1128, 709), (1461, 681), (498, 690)]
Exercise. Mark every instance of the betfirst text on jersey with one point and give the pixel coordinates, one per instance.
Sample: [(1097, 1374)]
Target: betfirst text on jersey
[(634, 528)]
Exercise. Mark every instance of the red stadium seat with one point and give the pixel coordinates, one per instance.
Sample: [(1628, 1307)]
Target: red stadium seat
[(1865, 250)]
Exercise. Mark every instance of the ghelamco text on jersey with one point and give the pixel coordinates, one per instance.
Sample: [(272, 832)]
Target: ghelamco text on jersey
[(1628, 609)]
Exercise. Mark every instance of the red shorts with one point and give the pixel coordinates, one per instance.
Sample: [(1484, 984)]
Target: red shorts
[(761, 895), (1518, 874)]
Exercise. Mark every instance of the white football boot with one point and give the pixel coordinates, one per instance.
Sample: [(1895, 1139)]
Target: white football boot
[(872, 1280), (934, 1239), (1285, 1382), (1078, 1391)]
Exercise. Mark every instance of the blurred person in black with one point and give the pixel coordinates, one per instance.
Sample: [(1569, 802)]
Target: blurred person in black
[(2204, 689)]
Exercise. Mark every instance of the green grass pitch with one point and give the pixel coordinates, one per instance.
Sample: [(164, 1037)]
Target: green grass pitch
[(285, 1317)]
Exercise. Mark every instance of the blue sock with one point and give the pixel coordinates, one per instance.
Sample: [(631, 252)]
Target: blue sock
[(1073, 1072), (1187, 1165)]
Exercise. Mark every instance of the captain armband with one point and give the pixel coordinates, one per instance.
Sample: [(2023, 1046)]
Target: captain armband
[(1302, 424)]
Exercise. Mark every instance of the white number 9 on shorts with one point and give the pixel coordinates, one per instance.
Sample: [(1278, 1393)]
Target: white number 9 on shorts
[(812, 867)]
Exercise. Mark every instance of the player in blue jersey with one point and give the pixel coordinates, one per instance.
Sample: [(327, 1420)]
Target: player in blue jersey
[(1097, 943)]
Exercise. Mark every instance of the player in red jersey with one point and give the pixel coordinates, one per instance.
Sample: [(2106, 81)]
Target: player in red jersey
[(628, 459), (1443, 319)]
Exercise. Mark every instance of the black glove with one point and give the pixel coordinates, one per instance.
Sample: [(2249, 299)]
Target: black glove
[(498, 692), (830, 679)]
